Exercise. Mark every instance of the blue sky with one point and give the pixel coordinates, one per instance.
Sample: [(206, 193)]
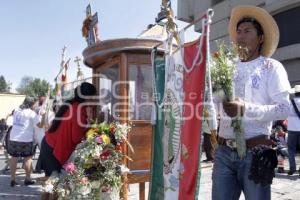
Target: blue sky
[(33, 32)]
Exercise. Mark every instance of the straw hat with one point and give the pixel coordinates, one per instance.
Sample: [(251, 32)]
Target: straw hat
[(268, 24), (296, 89)]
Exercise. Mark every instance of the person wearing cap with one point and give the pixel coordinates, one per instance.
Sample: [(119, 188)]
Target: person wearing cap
[(262, 96), (294, 128), (20, 142), (67, 130)]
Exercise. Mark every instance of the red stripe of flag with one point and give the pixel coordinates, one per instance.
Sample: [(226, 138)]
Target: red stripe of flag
[(194, 86)]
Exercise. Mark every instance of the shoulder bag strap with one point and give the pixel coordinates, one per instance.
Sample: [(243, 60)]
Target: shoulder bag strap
[(295, 107)]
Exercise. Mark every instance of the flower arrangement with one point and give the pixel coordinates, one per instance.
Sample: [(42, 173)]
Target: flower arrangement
[(96, 169), (224, 63), (223, 68)]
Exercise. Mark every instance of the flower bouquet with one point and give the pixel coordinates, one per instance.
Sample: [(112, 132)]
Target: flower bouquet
[(97, 168), (224, 63)]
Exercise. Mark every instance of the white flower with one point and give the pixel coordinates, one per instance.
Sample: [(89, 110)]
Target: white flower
[(62, 192), (84, 190), (48, 188), (95, 184), (124, 169)]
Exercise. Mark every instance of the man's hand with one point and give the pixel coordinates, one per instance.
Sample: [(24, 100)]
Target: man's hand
[(235, 108)]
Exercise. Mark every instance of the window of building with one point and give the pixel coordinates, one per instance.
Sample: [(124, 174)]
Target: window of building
[(140, 92), (289, 26)]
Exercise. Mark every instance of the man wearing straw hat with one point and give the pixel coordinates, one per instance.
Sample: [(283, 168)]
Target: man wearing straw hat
[(261, 90), (294, 128)]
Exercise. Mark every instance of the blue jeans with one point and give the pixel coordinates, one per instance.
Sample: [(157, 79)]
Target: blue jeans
[(230, 177), (293, 140)]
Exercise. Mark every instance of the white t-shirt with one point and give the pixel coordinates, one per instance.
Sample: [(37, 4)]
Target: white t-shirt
[(24, 122)]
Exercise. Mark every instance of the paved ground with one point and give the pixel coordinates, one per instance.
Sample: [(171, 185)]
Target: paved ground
[(284, 187), (33, 192)]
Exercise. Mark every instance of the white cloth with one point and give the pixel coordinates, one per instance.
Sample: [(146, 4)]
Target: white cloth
[(173, 108), (205, 127), (263, 85), (106, 108), (24, 122), (293, 119), (9, 120), (212, 118), (39, 133)]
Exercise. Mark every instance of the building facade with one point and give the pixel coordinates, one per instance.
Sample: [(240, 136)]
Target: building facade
[(285, 12), (9, 102)]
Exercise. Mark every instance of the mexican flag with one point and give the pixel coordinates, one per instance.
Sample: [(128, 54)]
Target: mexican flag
[(179, 82)]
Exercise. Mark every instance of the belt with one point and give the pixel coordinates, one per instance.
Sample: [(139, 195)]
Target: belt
[(250, 143)]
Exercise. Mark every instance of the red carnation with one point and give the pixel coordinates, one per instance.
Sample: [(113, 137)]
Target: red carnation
[(216, 54), (105, 155), (112, 129)]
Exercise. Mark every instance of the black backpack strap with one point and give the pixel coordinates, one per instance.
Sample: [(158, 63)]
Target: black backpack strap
[(295, 107)]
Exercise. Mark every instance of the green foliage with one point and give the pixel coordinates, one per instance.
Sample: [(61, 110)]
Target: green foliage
[(223, 69), (33, 86), (4, 86)]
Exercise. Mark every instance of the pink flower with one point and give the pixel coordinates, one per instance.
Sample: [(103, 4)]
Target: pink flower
[(97, 155), (69, 167), (99, 140)]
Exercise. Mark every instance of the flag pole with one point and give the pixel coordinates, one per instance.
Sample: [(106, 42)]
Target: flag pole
[(209, 12), (62, 62)]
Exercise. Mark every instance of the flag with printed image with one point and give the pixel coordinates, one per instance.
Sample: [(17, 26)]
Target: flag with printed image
[(168, 86), (177, 131), (173, 109)]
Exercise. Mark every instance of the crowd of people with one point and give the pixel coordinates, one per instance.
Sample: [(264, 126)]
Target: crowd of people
[(54, 130)]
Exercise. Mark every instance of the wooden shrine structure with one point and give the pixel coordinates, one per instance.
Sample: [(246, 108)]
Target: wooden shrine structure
[(122, 73)]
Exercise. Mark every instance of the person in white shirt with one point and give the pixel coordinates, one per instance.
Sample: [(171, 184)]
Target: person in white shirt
[(45, 118), (20, 143), (294, 129), (261, 88)]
